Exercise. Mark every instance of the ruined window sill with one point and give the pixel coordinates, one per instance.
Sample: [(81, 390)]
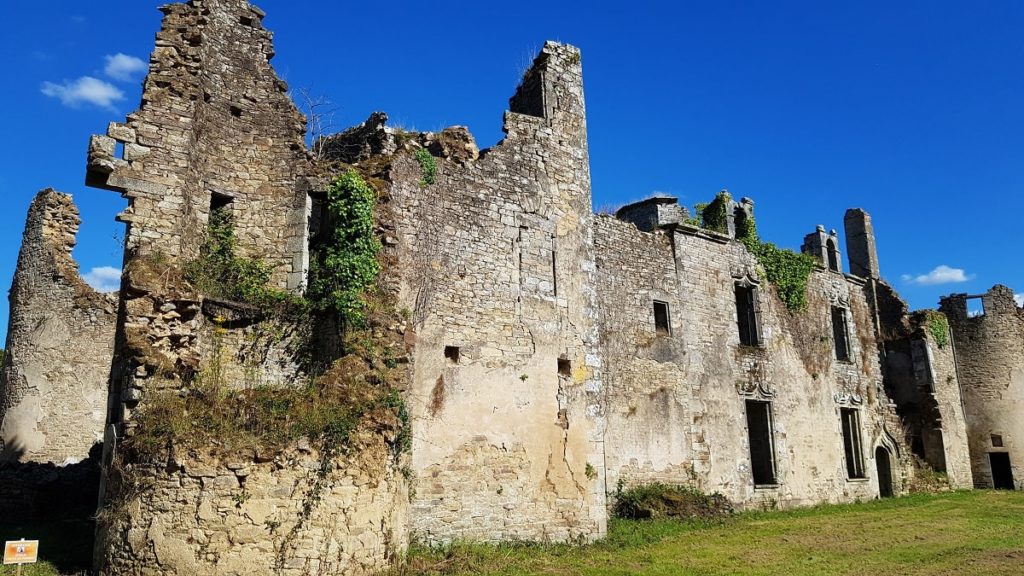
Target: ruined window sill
[(767, 486), (858, 480)]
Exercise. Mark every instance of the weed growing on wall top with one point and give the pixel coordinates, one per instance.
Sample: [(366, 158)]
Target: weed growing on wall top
[(344, 259)]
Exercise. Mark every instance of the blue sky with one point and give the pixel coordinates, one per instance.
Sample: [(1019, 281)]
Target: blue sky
[(911, 110)]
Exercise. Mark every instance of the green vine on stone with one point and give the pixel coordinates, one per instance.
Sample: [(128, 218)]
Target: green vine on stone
[(344, 261), (714, 216), (938, 328), (428, 166), (219, 272)]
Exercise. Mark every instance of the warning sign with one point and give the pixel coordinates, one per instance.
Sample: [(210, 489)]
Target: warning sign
[(21, 552)]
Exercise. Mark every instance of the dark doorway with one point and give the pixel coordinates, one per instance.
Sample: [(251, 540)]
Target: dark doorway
[(1002, 474), (884, 466)]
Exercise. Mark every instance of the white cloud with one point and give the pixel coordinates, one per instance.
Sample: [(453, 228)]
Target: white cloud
[(104, 278), (941, 275), (1019, 298), (123, 67), (86, 89)]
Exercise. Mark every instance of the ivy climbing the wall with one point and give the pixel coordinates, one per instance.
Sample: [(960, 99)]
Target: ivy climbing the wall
[(787, 270), (344, 260), (938, 327), (428, 166)]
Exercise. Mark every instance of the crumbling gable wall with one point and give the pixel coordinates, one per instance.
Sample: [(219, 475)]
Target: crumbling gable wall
[(216, 129), (989, 352), (677, 399), (498, 269), (215, 126), (53, 385)]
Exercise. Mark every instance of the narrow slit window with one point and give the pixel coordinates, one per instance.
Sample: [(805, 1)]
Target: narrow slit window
[(852, 443), (662, 321), (833, 255), (452, 353), (762, 443), (841, 333), (746, 315)]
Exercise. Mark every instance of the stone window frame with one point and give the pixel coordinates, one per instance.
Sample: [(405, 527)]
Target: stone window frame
[(842, 354), (773, 462), (832, 254), (667, 329), (852, 432), (754, 315)]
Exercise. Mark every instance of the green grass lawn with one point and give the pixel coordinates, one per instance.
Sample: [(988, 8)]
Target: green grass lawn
[(971, 533)]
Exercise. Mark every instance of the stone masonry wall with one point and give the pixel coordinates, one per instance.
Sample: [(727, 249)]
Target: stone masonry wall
[(990, 358), (497, 262), (215, 126), (676, 401), (299, 514), (53, 385)]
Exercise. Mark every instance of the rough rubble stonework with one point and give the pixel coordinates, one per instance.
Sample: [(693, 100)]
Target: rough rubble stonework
[(554, 355), (989, 351), (53, 385)]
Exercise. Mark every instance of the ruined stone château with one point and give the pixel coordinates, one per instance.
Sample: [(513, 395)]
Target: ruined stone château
[(554, 354)]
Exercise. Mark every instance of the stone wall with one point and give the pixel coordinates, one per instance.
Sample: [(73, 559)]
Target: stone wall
[(497, 266), (215, 127), (989, 351), (676, 399), (53, 385), (301, 513)]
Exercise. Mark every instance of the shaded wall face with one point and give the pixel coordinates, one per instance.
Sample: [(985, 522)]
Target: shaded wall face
[(677, 402), (496, 262), (990, 356), (60, 341)]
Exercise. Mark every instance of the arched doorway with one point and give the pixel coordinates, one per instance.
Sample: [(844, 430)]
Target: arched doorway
[(884, 466)]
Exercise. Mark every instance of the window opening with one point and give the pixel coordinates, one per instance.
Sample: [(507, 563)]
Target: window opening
[(997, 441), (746, 315), (762, 445), (564, 367), (662, 321), (833, 255), (452, 353), (841, 333), (852, 443)]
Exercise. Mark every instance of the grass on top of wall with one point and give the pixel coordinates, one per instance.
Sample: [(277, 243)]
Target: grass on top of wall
[(976, 533)]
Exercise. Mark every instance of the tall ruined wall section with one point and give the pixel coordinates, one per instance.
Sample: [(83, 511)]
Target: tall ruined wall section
[(677, 398), (498, 268), (53, 386), (990, 357), (217, 130)]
